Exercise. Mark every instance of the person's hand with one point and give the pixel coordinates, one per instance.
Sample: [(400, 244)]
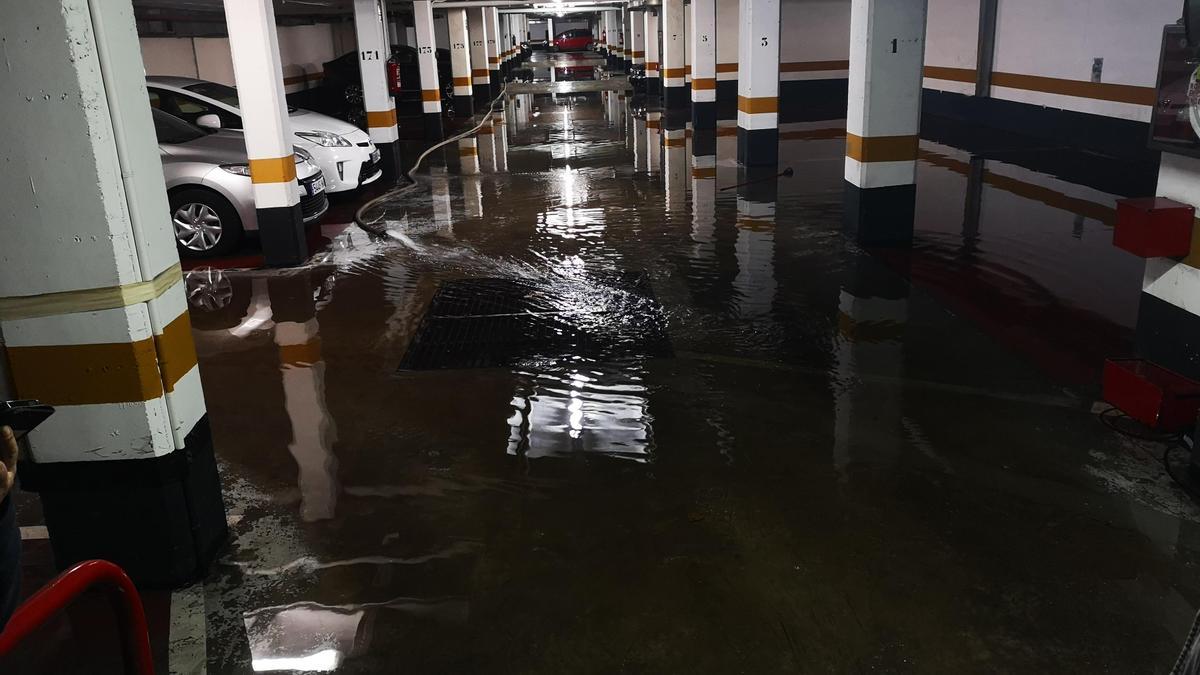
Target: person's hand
[(8, 461)]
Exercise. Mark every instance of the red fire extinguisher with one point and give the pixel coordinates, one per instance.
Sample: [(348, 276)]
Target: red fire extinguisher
[(393, 76)]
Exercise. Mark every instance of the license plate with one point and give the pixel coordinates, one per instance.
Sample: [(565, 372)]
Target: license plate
[(374, 155), (317, 186)]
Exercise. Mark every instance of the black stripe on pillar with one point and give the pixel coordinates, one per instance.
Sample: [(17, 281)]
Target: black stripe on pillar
[(464, 106), (1168, 335), (162, 519), (654, 86), (433, 126), (727, 95), (674, 119), (496, 85), (482, 92), (704, 115), (881, 216), (389, 160), (676, 97), (758, 147), (704, 142), (281, 232)]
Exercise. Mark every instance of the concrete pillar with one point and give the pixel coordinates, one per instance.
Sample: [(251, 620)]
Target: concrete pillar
[(626, 37), (704, 197), (703, 38), (370, 27), (883, 118), (637, 38), (687, 45), (673, 41), (485, 143), (468, 156), (460, 62), (506, 50), (758, 83), (653, 82), (492, 26), (477, 33), (431, 88), (550, 32), (1168, 322), (500, 126), (653, 141), (93, 308), (728, 18)]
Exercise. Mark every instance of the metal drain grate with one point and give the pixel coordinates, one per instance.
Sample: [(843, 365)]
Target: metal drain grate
[(489, 323)]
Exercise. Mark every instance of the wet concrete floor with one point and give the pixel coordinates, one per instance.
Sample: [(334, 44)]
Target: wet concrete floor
[(735, 442)]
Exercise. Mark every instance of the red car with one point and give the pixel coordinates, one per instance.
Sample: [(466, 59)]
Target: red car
[(573, 40)]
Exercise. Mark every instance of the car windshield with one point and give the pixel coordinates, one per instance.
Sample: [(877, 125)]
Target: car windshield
[(172, 130), (220, 92)]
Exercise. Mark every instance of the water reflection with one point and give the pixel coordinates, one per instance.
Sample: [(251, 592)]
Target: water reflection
[(755, 284)]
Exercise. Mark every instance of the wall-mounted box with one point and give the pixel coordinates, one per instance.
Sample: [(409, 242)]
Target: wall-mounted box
[(1157, 397), (1154, 227)]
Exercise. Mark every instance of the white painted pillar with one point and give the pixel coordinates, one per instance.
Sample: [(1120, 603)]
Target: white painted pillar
[(729, 20), (460, 62), (492, 25), (623, 50), (431, 88), (1168, 321), (88, 223), (637, 37), (485, 143), (687, 44), (468, 156), (480, 75), (703, 38), (674, 40), (550, 32), (653, 141), (675, 166), (883, 118), (370, 22), (653, 81), (758, 84)]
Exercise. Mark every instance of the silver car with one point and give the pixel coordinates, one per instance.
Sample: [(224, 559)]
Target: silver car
[(209, 188)]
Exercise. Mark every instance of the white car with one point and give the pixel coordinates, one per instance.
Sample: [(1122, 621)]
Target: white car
[(344, 153)]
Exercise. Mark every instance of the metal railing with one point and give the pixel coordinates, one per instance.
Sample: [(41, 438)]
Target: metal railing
[(65, 589)]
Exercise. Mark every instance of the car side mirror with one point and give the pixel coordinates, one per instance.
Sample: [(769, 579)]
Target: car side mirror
[(209, 121)]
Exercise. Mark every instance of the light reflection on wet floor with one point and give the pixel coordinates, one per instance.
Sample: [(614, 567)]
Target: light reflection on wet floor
[(830, 470)]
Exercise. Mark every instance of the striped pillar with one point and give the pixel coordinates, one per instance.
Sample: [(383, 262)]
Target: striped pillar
[(626, 39), (94, 314), (254, 45), (491, 24), (608, 38), (728, 17), (500, 126), (431, 88), (883, 118), (460, 62), (477, 33), (637, 138), (703, 38), (370, 26), (674, 41), (505, 43), (637, 38), (758, 84), (687, 45), (704, 199), (1168, 322), (653, 81)]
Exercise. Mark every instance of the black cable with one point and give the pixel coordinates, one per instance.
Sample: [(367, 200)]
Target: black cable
[(1134, 429)]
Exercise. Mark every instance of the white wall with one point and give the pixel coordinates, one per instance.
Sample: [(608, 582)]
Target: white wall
[(1060, 39), (441, 30), (814, 31), (951, 41), (302, 49)]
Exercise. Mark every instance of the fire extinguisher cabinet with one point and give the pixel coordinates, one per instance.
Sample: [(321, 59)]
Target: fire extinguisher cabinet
[(1154, 227)]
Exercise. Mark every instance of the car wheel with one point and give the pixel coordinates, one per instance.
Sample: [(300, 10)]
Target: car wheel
[(205, 223)]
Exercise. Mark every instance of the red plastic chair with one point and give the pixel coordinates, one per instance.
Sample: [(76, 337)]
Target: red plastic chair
[(65, 588)]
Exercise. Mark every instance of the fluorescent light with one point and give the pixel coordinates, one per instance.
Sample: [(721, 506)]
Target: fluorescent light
[(322, 661)]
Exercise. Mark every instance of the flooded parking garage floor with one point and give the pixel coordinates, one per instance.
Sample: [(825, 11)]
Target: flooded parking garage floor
[(587, 405)]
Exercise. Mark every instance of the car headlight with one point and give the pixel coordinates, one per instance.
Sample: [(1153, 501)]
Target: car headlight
[(239, 169), (324, 139), (302, 155)]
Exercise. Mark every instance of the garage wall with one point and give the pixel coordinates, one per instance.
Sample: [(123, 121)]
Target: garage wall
[(815, 40), (302, 49), (952, 45), (1037, 39)]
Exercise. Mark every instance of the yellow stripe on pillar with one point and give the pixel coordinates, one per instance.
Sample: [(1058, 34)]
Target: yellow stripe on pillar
[(761, 104), (381, 119), (429, 95), (882, 148), (273, 170)]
